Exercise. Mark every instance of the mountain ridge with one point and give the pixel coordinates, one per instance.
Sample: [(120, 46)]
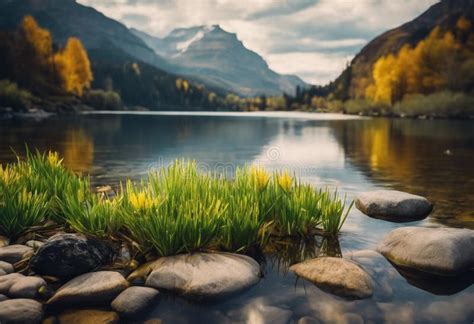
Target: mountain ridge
[(215, 55)]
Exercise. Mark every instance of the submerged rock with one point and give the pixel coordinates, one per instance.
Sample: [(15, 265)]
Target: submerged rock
[(338, 276), (259, 313), (20, 311), (95, 288), (439, 251), (69, 255), (393, 205), (15, 253), (134, 300), (87, 316), (204, 275), (5, 268)]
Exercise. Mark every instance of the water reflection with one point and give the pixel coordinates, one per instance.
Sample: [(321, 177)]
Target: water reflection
[(409, 155), (352, 155)]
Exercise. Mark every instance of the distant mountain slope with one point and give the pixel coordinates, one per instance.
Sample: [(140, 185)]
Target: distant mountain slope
[(66, 18), (444, 14), (218, 57), (120, 60)]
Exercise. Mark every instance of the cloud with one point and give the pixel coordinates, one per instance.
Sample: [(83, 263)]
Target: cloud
[(310, 38)]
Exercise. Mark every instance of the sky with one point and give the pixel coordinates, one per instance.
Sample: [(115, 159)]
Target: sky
[(313, 39)]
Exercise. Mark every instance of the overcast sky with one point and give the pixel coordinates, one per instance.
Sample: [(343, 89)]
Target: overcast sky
[(313, 39)]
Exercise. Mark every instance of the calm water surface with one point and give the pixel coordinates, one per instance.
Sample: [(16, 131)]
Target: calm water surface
[(431, 158)]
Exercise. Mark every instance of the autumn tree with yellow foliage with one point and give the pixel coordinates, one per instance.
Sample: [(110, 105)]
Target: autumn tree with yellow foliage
[(33, 64), (73, 67), (434, 64)]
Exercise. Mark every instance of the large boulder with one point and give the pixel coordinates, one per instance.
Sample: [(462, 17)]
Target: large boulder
[(20, 311), (134, 301), (69, 255), (439, 251), (16, 285), (335, 275), (15, 253), (393, 205), (204, 275), (95, 288)]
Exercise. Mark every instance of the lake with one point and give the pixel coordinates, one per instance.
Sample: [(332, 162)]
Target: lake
[(432, 158)]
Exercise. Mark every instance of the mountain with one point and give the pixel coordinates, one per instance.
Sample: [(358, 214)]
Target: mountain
[(66, 18), (218, 57), (120, 60), (444, 14)]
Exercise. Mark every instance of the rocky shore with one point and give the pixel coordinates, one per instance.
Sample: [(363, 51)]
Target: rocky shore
[(68, 277)]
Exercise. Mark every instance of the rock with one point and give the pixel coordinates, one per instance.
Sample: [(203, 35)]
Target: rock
[(16, 285), (88, 316), (35, 245), (4, 241), (91, 289), (384, 276), (393, 205), (339, 276), (6, 267), (438, 251), (3, 297), (20, 311), (27, 287), (308, 320), (261, 314), (204, 275), (15, 253), (69, 255), (134, 300)]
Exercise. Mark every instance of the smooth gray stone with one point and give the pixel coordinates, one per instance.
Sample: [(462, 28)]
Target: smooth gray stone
[(6, 267), (439, 251), (392, 205), (204, 275), (134, 300), (16, 285), (20, 311), (338, 276), (94, 288), (15, 253)]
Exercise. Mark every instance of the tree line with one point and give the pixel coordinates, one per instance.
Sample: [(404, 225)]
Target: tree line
[(32, 61)]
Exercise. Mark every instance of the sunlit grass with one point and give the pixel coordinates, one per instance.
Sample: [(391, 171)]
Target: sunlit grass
[(174, 210)]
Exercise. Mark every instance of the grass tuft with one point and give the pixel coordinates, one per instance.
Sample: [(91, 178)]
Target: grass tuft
[(175, 210)]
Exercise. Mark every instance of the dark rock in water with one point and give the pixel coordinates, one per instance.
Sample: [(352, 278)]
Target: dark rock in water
[(338, 276), (3, 297), (392, 205), (15, 253), (95, 288), (20, 311), (69, 255), (438, 251), (134, 301)]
